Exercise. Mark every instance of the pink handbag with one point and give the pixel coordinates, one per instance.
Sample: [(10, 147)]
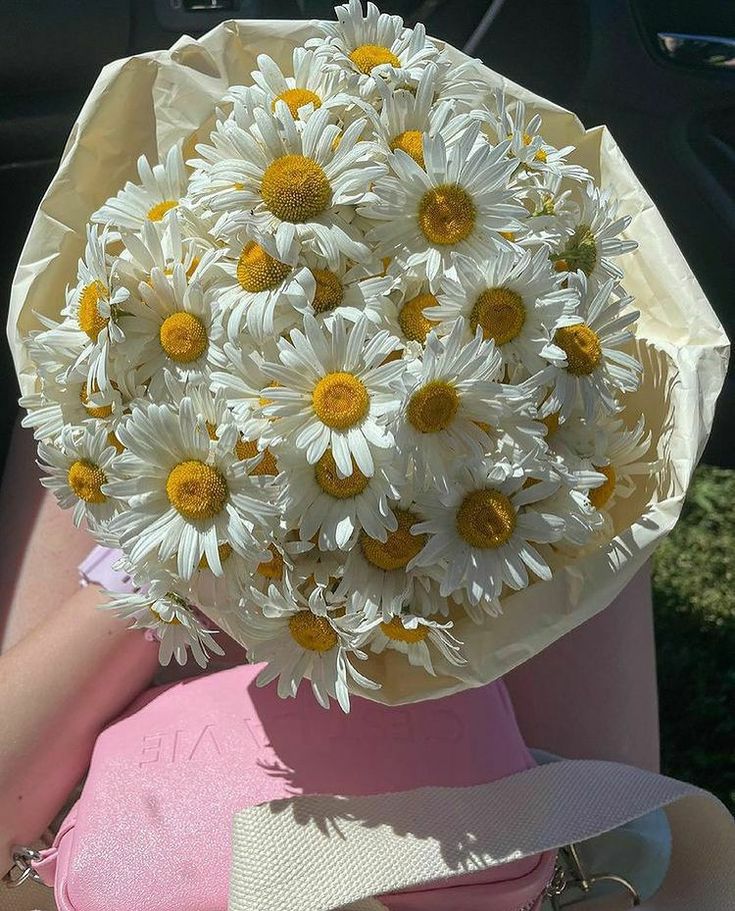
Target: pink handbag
[(152, 829)]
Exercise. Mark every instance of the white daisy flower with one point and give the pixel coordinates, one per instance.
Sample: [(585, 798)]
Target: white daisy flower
[(160, 189), (228, 141), (404, 314), (592, 240), (551, 213), (577, 441), (185, 494), (587, 360), (298, 643), (528, 147), (310, 87), (286, 566), (161, 245), (209, 405), (460, 204), (621, 460), (582, 521), (516, 301), (376, 579), (449, 394), (335, 392), (374, 45), (295, 181), (350, 290), (516, 433), (405, 117), (260, 281), (172, 619), (79, 406), (318, 500), (78, 467), (483, 532), (213, 415), (242, 379), (90, 325), (412, 634), (173, 328)]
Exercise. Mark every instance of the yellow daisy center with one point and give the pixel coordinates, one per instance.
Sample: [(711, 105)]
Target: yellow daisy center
[(394, 629), (103, 411), (86, 480), (296, 98), (225, 552), (258, 270), (273, 568), (315, 634), (196, 490), (398, 549), (366, 56), (486, 518), (156, 213), (90, 321), (295, 188), (508, 235), (600, 495), (325, 473), (580, 251), (500, 313), (414, 325), (540, 154), (447, 215), (248, 449), (340, 400), (412, 143), (582, 347), (183, 337), (329, 291), (432, 407)]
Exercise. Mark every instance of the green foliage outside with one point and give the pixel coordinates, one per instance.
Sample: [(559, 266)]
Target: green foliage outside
[(694, 604)]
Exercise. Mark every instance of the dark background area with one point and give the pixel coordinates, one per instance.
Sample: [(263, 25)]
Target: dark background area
[(673, 118)]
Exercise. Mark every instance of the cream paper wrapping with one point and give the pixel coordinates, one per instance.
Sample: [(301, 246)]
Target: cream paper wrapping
[(146, 103)]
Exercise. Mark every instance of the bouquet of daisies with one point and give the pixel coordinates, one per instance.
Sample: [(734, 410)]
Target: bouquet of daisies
[(347, 368)]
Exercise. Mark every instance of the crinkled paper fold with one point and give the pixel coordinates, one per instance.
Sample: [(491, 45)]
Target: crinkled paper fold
[(146, 103)]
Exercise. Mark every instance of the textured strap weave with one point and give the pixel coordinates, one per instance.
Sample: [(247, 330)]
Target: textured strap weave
[(318, 853)]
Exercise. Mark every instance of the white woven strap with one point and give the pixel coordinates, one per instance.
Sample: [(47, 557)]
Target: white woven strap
[(321, 853)]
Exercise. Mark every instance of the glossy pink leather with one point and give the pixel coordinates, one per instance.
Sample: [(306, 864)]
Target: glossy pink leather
[(151, 831)]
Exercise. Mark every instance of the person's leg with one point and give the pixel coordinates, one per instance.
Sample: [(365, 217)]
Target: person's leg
[(592, 694), (41, 547)]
